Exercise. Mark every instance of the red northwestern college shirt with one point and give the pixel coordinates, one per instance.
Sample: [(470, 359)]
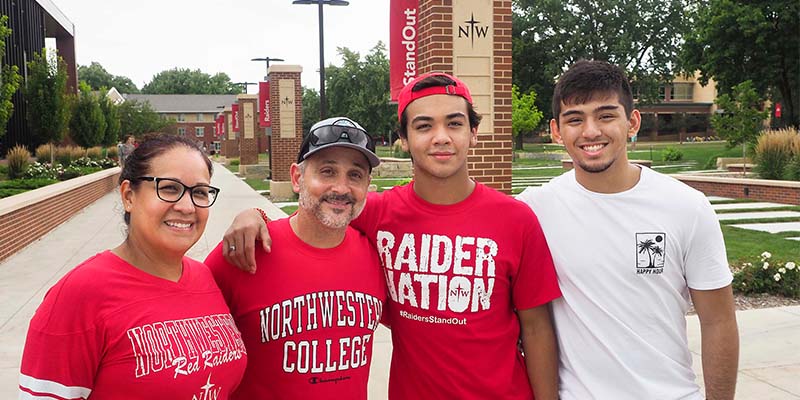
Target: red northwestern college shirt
[(307, 316), (111, 331)]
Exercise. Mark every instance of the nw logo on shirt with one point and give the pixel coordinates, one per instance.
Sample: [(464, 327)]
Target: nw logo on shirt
[(651, 251)]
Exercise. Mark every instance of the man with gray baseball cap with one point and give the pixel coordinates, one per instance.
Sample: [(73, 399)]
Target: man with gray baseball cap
[(308, 319)]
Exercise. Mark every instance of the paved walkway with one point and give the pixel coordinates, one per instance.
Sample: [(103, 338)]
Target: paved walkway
[(770, 360)]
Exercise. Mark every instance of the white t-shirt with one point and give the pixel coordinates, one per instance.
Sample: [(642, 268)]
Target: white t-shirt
[(625, 263)]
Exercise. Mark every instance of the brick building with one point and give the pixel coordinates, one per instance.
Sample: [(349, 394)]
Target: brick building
[(195, 115)]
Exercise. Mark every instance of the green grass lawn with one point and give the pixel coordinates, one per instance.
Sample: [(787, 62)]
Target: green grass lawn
[(257, 184), (744, 245)]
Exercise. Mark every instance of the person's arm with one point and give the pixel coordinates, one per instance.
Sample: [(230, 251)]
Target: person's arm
[(719, 341), (246, 228), (541, 351)]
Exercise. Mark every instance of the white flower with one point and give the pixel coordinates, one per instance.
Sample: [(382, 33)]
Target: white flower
[(777, 277), (766, 254), (747, 264), (782, 270), (790, 265), (766, 265)]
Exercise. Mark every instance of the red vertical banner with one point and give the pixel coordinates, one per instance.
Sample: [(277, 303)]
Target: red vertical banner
[(220, 122), (263, 105), (402, 43), (235, 117)]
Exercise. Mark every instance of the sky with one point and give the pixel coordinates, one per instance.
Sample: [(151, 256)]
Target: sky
[(140, 38)]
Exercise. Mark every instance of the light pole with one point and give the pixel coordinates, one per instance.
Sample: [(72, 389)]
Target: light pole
[(267, 59), (244, 85), (323, 106)]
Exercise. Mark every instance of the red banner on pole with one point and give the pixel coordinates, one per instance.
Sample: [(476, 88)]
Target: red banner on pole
[(235, 116), (220, 123), (402, 43), (778, 110), (263, 105)]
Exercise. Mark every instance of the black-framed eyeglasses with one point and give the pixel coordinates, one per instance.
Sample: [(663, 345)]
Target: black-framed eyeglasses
[(172, 191)]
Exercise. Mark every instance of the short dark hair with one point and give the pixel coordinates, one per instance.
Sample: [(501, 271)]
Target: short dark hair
[(138, 163), (588, 79), (431, 81)]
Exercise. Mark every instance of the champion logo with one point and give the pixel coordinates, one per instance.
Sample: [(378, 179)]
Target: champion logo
[(344, 135), (651, 252)]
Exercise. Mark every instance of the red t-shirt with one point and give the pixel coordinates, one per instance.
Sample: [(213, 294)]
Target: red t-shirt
[(112, 331), (307, 316), (455, 276)]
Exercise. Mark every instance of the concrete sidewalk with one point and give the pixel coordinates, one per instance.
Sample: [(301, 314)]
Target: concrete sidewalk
[(770, 359)]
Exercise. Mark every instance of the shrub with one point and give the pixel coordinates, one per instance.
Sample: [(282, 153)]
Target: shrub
[(768, 276), (63, 155), (94, 153), (774, 152), (44, 153), (17, 161), (84, 162), (397, 150), (112, 152), (792, 172), (70, 172), (234, 162), (10, 192), (76, 152), (39, 170), (672, 154), (26, 184)]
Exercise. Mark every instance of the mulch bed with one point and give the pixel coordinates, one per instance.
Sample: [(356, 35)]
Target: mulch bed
[(755, 301)]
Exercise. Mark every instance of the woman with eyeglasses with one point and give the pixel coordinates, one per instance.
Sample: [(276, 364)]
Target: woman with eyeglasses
[(142, 320)]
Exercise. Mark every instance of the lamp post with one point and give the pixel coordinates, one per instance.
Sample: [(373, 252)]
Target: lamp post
[(267, 59), (244, 85), (323, 106)]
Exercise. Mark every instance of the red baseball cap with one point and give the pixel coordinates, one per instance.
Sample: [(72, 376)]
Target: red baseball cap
[(406, 95)]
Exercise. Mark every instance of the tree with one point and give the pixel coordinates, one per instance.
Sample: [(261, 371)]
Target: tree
[(525, 117), (9, 79), (111, 114), (139, 118), (88, 124), (741, 118), (735, 41), (98, 78), (643, 37), (186, 81), (359, 89), (310, 108), (46, 94)]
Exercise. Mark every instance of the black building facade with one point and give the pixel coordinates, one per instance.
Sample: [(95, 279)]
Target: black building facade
[(31, 21)]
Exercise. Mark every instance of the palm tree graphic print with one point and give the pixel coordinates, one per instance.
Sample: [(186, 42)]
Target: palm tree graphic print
[(651, 249)]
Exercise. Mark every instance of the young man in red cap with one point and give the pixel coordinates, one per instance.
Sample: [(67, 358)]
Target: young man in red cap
[(468, 269)]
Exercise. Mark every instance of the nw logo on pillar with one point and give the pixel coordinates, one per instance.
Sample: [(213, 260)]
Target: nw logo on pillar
[(472, 29), (286, 101)]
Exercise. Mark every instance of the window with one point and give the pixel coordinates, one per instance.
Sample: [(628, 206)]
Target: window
[(682, 92), (199, 131), (199, 117), (182, 131), (181, 117), (662, 92)]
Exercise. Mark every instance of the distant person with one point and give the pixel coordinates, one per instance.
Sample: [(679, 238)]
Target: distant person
[(142, 320), (469, 274), (631, 247), (309, 314), (125, 149)]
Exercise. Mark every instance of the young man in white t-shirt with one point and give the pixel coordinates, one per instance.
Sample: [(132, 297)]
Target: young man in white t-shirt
[(630, 246)]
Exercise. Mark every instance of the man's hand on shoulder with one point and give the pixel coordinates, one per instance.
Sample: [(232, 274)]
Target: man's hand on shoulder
[(239, 242)]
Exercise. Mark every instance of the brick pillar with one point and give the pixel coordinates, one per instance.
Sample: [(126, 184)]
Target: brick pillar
[(230, 143), (473, 42), (248, 129), (286, 114)]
